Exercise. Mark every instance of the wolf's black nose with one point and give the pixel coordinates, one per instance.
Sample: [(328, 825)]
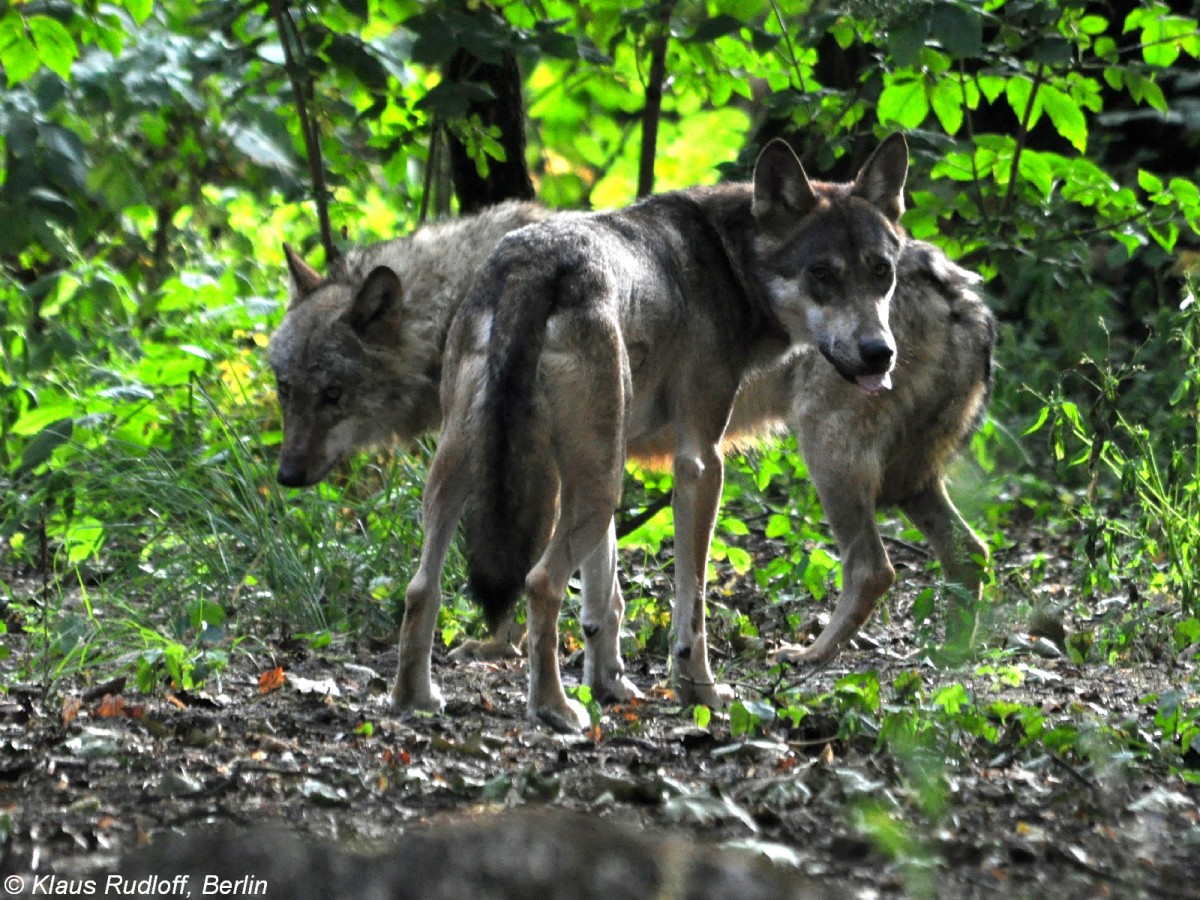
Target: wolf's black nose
[(291, 476), (876, 354)]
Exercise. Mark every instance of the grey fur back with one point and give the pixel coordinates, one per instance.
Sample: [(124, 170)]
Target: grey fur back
[(359, 365), (436, 264)]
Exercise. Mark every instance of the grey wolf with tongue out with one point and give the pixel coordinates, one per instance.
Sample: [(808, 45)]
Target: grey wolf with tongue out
[(898, 381), (909, 340)]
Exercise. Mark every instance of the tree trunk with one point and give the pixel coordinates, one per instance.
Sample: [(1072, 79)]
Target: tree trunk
[(506, 179)]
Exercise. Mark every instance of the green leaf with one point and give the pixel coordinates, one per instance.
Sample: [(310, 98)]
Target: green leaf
[(1066, 115), (1143, 89), (54, 43), (946, 99), (18, 55), (904, 103), (923, 606), (959, 29), (1042, 417), (39, 449), (1105, 48), (952, 698), (716, 27), (114, 180), (1037, 170), (139, 9), (45, 417), (83, 539), (861, 688), (1165, 236), (436, 41), (778, 525), (1018, 92), (260, 149), (843, 32), (349, 53), (991, 86), (734, 526), (1162, 39), (763, 41), (1149, 182), (748, 716), (905, 40), (1186, 194), (1053, 50)]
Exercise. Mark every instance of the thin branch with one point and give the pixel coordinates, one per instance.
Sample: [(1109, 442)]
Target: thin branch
[(301, 87), (787, 40), (1106, 227), (966, 107), (1022, 136), (654, 91), (632, 524)]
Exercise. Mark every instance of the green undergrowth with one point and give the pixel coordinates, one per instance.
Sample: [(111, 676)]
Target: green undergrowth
[(927, 732), (182, 546)]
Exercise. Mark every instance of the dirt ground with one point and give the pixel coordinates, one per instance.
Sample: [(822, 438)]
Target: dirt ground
[(83, 782)]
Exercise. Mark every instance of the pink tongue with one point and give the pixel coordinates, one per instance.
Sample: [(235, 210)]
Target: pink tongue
[(874, 383)]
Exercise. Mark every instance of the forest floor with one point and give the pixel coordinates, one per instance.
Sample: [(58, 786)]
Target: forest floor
[(84, 780)]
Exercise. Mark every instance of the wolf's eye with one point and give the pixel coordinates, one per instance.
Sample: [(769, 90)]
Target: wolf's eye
[(283, 389), (331, 395), (821, 272), (882, 269)]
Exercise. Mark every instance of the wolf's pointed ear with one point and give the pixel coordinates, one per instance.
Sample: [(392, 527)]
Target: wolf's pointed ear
[(305, 279), (781, 189), (881, 180), (373, 309)]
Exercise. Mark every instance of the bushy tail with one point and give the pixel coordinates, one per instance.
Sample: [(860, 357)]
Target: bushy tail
[(510, 514)]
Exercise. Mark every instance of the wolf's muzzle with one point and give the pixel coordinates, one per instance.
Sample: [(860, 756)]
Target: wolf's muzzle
[(876, 355)]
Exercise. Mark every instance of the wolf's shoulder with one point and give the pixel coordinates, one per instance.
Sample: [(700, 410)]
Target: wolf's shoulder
[(924, 264)]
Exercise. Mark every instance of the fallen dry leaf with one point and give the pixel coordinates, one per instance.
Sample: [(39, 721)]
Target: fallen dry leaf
[(70, 708), (271, 680), (111, 706)]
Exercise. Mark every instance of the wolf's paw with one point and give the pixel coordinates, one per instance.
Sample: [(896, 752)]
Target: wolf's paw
[(616, 689), (712, 694), (428, 699), (494, 648), (568, 718), (797, 655)]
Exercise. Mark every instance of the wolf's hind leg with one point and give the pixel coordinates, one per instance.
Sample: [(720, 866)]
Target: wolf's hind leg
[(867, 572), (581, 527), (603, 611), (963, 557), (586, 387), (443, 501), (699, 474)]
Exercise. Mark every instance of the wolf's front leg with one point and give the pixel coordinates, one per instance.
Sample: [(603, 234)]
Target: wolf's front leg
[(699, 474), (867, 573), (963, 556), (443, 501), (603, 611)]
